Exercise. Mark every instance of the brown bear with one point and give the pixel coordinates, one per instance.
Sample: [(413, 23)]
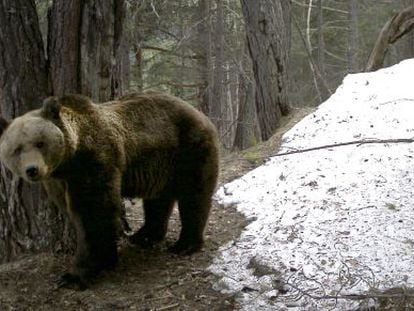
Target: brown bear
[(88, 156)]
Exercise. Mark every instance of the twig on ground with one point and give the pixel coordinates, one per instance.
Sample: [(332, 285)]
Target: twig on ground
[(169, 307), (354, 142)]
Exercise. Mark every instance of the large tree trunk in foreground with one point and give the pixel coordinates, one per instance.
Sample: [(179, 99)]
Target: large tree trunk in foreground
[(84, 49), (27, 221), (63, 46), (399, 25), (267, 25)]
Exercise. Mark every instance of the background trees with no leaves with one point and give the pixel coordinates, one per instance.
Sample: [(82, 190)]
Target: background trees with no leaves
[(182, 51), (341, 35)]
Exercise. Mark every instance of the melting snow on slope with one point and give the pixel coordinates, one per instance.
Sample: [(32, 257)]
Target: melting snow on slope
[(335, 221)]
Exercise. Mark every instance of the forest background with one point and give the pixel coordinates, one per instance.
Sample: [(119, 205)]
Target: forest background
[(198, 50)]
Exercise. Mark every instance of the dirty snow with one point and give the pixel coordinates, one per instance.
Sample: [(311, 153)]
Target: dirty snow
[(331, 222)]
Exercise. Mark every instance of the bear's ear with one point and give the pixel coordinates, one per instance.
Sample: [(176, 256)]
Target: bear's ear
[(3, 125), (51, 108)]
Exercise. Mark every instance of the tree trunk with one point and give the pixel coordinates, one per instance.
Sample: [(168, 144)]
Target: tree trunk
[(321, 41), (137, 69), (23, 74), (84, 48), (122, 71), (245, 135), (353, 37), (399, 25), (63, 47), (267, 25), (217, 100), (120, 48), (203, 49), (27, 222), (321, 54)]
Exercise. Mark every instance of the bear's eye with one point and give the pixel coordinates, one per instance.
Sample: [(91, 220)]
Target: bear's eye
[(18, 150), (40, 145)]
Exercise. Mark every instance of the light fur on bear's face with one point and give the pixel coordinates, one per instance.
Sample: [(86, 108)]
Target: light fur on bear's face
[(32, 147)]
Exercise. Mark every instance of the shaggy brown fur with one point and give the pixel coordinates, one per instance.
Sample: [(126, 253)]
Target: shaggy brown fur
[(152, 146)]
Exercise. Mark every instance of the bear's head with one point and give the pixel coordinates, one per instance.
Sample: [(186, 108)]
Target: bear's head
[(32, 145)]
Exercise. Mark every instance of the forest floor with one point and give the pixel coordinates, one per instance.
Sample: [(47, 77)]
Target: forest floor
[(144, 279)]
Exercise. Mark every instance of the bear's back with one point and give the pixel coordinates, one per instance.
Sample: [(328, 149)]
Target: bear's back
[(162, 136), (161, 115)]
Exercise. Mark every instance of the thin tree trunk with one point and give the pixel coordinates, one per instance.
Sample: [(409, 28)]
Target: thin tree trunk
[(353, 37), (137, 69), (308, 26), (203, 48), (321, 40), (308, 43), (120, 83), (218, 101), (178, 89), (268, 35), (119, 73), (321, 53), (27, 222)]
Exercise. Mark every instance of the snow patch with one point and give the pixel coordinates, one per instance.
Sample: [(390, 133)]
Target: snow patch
[(329, 222)]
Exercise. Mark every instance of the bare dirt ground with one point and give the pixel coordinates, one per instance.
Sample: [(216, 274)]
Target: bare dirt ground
[(144, 279)]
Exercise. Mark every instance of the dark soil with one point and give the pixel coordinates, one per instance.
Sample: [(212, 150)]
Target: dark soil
[(144, 279)]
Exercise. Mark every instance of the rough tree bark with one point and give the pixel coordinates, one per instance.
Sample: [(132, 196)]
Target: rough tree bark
[(245, 135), (84, 47), (63, 47), (203, 49), (267, 25), (217, 92), (321, 54), (28, 223), (399, 25)]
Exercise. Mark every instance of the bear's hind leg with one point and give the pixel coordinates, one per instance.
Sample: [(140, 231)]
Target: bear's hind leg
[(196, 179), (157, 213), (194, 210)]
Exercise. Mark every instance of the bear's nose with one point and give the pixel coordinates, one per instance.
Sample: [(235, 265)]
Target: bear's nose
[(32, 171)]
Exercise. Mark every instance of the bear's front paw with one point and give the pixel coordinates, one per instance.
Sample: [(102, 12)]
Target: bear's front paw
[(144, 239), (70, 280), (186, 247)]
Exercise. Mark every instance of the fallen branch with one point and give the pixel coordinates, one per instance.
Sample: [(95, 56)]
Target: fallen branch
[(403, 294), (355, 142), (169, 307)]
